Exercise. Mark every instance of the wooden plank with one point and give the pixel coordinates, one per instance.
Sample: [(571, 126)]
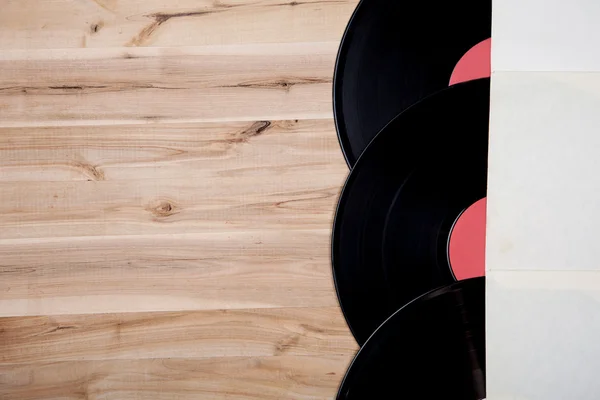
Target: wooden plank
[(168, 151), (288, 199), (198, 334), (113, 23), (291, 200), (237, 269), (168, 178), (243, 378), (141, 85)]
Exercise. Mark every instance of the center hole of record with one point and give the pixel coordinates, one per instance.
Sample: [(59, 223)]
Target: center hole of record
[(466, 246), (474, 64)]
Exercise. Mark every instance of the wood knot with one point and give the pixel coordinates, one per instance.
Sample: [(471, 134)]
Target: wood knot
[(96, 27), (92, 172), (255, 129), (286, 344), (162, 208), (288, 123)]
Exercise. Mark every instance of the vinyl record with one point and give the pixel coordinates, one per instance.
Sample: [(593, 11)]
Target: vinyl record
[(395, 53), (396, 213), (431, 349)]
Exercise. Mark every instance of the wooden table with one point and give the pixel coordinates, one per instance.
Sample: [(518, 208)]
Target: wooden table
[(168, 177)]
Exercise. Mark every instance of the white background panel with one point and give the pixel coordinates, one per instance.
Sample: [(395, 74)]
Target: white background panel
[(543, 331), (544, 172), (542, 35)]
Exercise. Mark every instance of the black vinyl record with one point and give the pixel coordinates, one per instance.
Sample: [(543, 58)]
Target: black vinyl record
[(395, 53), (396, 211), (433, 348)]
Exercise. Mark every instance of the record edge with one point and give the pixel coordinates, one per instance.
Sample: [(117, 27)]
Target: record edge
[(441, 289), (336, 89), (345, 187)]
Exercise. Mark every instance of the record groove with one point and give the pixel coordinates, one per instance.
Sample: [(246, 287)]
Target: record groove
[(431, 349), (395, 53), (396, 211)]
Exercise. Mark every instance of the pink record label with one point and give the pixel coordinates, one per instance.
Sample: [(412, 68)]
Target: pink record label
[(466, 248), (475, 64)]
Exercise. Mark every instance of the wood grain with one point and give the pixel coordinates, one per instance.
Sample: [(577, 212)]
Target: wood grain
[(114, 23), (175, 151), (236, 269), (163, 206), (232, 378), (215, 333), (168, 178), (130, 180), (262, 82)]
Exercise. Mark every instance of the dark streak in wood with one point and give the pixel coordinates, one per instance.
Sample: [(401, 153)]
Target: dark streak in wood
[(299, 3), (60, 328), (83, 89), (161, 17), (24, 89), (9, 269), (253, 130), (323, 196), (151, 117), (280, 84), (66, 87), (314, 329), (117, 87)]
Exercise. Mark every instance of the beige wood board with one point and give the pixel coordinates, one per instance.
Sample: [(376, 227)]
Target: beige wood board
[(115, 23), (168, 178), (98, 86), (240, 378)]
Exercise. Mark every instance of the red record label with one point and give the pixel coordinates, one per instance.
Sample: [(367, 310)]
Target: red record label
[(475, 64), (466, 248)]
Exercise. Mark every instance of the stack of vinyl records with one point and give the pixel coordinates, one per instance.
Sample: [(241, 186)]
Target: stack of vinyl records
[(411, 103)]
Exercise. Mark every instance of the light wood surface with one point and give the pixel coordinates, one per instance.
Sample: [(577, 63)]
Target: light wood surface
[(168, 177)]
